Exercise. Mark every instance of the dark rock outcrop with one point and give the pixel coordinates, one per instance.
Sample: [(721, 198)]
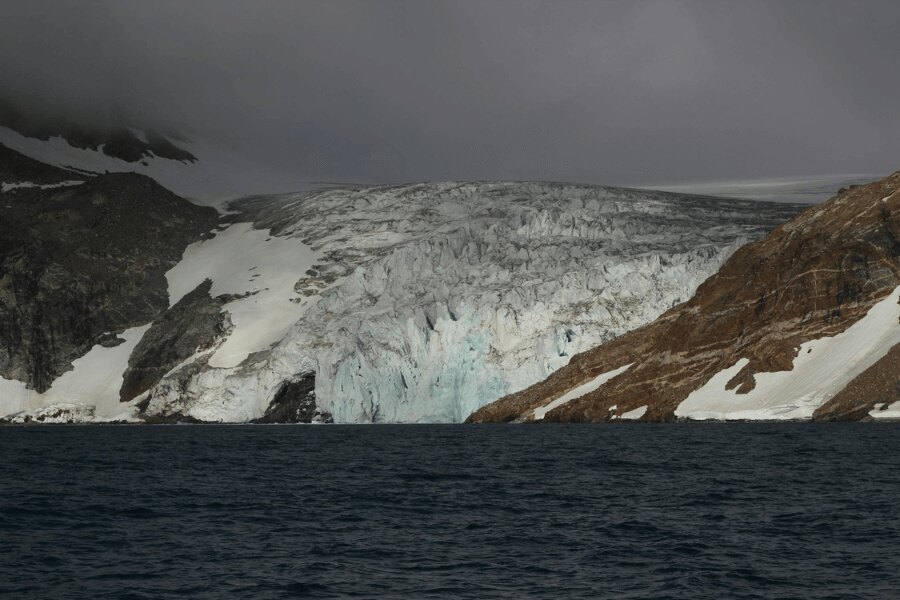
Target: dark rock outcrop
[(295, 402), (170, 419), (193, 324), (80, 263), (16, 167)]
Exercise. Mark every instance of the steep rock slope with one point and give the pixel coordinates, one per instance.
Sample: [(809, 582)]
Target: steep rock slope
[(83, 259), (801, 324), (20, 171), (192, 325), (423, 302)]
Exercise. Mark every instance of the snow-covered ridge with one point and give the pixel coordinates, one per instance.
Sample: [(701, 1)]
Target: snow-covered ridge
[(216, 175), (58, 152), (425, 302)]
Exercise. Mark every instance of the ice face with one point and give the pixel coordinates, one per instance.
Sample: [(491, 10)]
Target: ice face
[(428, 301)]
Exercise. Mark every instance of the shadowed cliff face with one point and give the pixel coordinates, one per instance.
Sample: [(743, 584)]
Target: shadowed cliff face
[(193, 324), (17, 168), (812, 277), (295, 402), (81, 262)]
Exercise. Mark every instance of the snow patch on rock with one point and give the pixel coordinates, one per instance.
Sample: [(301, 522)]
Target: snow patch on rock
[(880, 411), (262, 269), (6, 187), (92, 384), (215, 177), (822, 368), (635, 414), (580, 391)]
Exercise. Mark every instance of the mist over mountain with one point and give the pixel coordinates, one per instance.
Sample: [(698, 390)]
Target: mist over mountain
[(166, 107), (113, 138), (613, 93)]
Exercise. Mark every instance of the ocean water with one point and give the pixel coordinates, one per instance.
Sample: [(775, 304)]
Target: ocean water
[(544, 511)]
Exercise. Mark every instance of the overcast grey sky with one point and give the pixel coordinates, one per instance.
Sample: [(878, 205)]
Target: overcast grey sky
[(383, 91)]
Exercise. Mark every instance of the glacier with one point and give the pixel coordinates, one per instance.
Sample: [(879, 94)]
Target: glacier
[(423, 302)]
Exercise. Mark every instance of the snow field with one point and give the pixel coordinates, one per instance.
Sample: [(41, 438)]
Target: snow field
[(94, 382), (822, 368), (244, 261)]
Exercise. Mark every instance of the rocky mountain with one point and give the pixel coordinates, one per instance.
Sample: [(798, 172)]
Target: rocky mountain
[(112, 139), (83, 258), (201, 170), (405, 303), (802, 324)]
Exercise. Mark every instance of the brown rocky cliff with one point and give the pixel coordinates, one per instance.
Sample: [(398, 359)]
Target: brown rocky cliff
[(811, 277), (879, 384)]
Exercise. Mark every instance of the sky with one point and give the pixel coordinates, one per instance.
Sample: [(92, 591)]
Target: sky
[(622, 93)]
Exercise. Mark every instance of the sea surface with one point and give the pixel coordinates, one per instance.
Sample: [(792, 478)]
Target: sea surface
[(533, 511)]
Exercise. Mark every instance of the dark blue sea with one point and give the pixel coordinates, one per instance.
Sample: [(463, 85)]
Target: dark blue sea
[(545, 511)]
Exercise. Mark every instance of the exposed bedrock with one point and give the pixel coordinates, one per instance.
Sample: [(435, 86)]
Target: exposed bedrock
[(192, 325), (16, 168), (295, 402), (878, 387), (81, 263), (811, 279)]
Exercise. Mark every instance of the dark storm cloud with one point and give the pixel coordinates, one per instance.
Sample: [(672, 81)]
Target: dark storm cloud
[(612, 92)]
